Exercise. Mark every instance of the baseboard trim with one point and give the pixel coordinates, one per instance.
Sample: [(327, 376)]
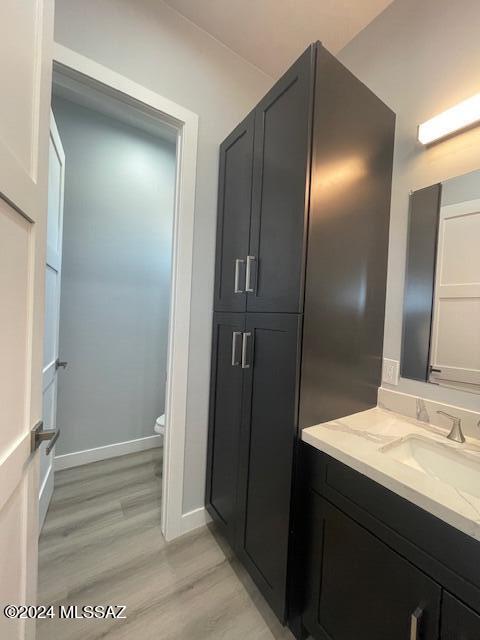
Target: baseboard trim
[(194, 519), (45, 495), (78, 458)]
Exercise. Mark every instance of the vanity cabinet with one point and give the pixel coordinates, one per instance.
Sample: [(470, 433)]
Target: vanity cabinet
[(372, 566), (361, 589), (303, 169)]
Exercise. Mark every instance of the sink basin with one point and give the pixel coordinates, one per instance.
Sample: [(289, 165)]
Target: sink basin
[(441, 461)]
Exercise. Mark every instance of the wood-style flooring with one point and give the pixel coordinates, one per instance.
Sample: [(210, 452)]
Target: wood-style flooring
[(101, 544)]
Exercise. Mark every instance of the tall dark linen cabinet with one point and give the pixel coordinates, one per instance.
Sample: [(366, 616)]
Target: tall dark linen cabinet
[(302, 237)]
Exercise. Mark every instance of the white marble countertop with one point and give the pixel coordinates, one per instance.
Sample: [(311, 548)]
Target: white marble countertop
[(357, 441)]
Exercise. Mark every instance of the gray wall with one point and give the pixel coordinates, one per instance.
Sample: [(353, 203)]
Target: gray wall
[(421, 58), (118, 215), (150, 43), (461, 189)]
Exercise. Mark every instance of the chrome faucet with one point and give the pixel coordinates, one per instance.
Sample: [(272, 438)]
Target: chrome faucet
[(456, 433)]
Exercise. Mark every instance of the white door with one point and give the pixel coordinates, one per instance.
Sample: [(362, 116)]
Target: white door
[(53, 269), (26, 40), (455, 358)]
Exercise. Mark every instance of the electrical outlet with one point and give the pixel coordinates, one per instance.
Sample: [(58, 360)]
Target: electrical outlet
[(390, 371)]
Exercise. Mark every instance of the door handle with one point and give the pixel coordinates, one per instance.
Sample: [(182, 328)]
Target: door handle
[(52, 441), (238, 262), (59, 364), (235, 342), (415, 620), (249, 287), (245, 337), (39, 435)]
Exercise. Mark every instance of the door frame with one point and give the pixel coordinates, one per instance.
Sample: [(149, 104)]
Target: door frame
[(185, 122)]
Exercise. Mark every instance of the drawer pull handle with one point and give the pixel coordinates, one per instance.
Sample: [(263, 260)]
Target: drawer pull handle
[(249, 286), (415, 620), (237, 288), (235, 341), (245, 363)]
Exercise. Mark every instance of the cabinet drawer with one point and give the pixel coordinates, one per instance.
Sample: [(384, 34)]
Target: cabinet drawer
[(360, 588)]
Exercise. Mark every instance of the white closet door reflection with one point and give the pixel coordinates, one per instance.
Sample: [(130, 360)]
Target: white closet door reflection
[(455, 358)]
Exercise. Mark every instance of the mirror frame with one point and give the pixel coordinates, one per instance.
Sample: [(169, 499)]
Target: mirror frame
[(422, 236)]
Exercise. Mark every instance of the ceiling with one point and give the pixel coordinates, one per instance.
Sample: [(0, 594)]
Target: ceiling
[(272, 33)]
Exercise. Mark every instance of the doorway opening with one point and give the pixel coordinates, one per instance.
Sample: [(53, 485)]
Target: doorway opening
[(108, 280), (122, 170)]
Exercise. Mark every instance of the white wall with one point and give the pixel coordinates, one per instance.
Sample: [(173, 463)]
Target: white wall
[(420, 58), (150, 43), (116, 274)]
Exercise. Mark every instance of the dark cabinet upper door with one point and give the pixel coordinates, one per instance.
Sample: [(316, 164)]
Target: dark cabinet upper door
[(233, 223), (458, 621), (267, 442), (358, 587), (224, 421), (280, 194)]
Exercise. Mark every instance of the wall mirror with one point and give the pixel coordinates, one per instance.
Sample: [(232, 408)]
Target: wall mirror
[(441, 315)]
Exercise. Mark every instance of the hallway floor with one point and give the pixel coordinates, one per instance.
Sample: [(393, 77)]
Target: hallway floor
[(101, 544)]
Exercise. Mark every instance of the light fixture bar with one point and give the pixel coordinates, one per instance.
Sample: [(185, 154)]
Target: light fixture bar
[(463, 115)]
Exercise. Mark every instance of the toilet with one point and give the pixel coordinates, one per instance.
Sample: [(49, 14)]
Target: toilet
[(159, 426)]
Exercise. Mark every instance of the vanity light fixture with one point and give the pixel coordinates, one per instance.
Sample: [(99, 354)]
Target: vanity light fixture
[(463, 115)]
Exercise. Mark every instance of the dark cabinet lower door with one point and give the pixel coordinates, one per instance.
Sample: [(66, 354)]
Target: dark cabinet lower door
[(280, 195), (266, 456), (360, 589), (233, 223), (225, 418), (458, 621)]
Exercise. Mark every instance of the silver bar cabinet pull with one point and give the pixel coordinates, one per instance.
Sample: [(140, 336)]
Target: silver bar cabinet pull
[(415, 620), (238, 262), (246, 336), (235, 342), (249, 287)]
